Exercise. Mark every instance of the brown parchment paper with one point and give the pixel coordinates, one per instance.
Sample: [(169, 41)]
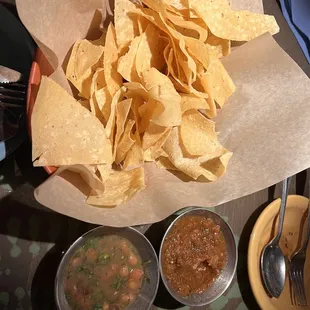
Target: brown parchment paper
[(266, 123)]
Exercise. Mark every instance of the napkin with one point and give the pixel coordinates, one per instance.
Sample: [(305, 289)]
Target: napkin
[(297, 15)]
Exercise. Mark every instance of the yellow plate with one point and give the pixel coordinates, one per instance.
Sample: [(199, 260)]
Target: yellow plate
[(263, 231)]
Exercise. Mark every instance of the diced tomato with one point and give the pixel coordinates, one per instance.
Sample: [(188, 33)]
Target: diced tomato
[(105, 306), (124, 271), (84, 303), (105, 273), (91, 255), (124, 247), (136, 274), (76, 262), (127, 299), (111, 294), (83, 285), (115, 268), (133, 285), (71, 286), (132, 259)]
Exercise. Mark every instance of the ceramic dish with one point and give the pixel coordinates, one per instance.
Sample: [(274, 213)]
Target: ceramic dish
[(40, 66), (263, 232)]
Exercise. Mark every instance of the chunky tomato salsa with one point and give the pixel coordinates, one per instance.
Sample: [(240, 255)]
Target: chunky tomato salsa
[(193, 254)]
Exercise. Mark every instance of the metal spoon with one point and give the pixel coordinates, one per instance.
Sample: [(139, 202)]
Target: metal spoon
[(273, 267)]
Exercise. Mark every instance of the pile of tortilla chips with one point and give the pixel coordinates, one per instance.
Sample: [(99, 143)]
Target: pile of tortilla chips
[(147, 91)]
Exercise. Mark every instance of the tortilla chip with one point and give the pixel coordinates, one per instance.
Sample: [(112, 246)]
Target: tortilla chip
[(136, 104), (194, 28), (225, 23), (218, 166), (200, 68), (122, 110), (176, 39), (175, 70), (103, 100), (114, 80), (152, 135), (98, 82), (110, 128), (119, 187), (134, 157), (84, 56), (96, 110), (199, 50), (218, 47), (145, 111), (155, 150), (164, 163), (177, 4), (150, 50), (126, 64), (84, 60), (104, 171), (101, 39), (184, 58), (170, 60), (125, 142), (87, 172), (84, 103), (207, 83), (135, 89), (167, 101), (126, 27), (198, 134), (189, 102), (222, 85), (142, 24), (193, 167), (64, 132)]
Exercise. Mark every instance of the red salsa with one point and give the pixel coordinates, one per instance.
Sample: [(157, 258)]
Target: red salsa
[(106, 273), (193, 254)]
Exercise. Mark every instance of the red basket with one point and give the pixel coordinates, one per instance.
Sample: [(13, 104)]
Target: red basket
[(40, 66)]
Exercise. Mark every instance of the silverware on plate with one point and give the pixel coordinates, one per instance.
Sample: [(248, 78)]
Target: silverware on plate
[(296, 270), (273, 266), (12, 94), (12, 108)]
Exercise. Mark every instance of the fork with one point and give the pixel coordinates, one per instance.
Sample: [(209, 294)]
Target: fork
[(12, 108), (296, 273), (12, 95)]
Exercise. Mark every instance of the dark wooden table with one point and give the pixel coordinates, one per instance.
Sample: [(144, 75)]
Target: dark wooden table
[(32, 238)]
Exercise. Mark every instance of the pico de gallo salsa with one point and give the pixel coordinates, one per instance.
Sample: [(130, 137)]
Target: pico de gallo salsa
[(106, 273)]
